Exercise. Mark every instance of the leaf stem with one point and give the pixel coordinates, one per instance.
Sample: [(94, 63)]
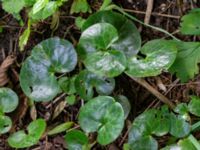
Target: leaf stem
[(151, 89), (137, 20), (194, 141), (195, 126)]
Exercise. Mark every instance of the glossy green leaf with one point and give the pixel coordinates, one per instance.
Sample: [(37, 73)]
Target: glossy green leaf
[(86, 82), (8, 6), (60, 128), (95, 50), (59, 52), (185, 144), (181, 108), (123, 100), (5, 124), (37, 77), (79, 6), (40, 4), (76, 139), (104, 115), (186, 63), (8, 100), (128, 41), (148, 123), (35, 130), (194, 106), (144, 143), (190, 24), (179, 127), (79, 22), (36, 81), (67, 84), (109, 64), (98, 37), (159, 56), (71, 99)]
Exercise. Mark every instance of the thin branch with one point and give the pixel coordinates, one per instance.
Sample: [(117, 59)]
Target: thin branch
[(156, 93)]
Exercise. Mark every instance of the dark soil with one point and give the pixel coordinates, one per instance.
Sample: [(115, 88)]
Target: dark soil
[(139, 97)]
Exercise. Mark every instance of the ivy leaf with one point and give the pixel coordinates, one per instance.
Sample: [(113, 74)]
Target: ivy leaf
[(123, 100), (104, 115), (5, 124), (194, 106), (35, 130), (79, 6), (8, 100), (37, 77), (179, 127), (144, 143), (190, 24), (186, 63), (160, 55), (76, 139), (129, 40), (86, 82), (8, 6)]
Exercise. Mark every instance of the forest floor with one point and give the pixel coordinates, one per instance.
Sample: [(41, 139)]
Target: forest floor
[(165, 14)]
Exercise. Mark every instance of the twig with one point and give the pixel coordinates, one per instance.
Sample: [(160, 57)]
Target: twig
[(153, 13), (151, 89), (148, 11)]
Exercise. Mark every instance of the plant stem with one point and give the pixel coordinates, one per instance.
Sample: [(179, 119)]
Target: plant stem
[(151, 89), (195, 126), (194, 141), (137, 20)]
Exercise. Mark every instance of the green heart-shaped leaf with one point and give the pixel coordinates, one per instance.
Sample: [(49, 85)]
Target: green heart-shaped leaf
[(194, 106), (37, 77), (128, 41), (59, 52), (8, 100), (104, 115), (35, 130), (36, 81), (95, 50), (160, 55), (190, 23), (109, 64), (5, 124), (179, 127), (87, 81), (76, 139), (150, 122), (144, 143), (98, 37)]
